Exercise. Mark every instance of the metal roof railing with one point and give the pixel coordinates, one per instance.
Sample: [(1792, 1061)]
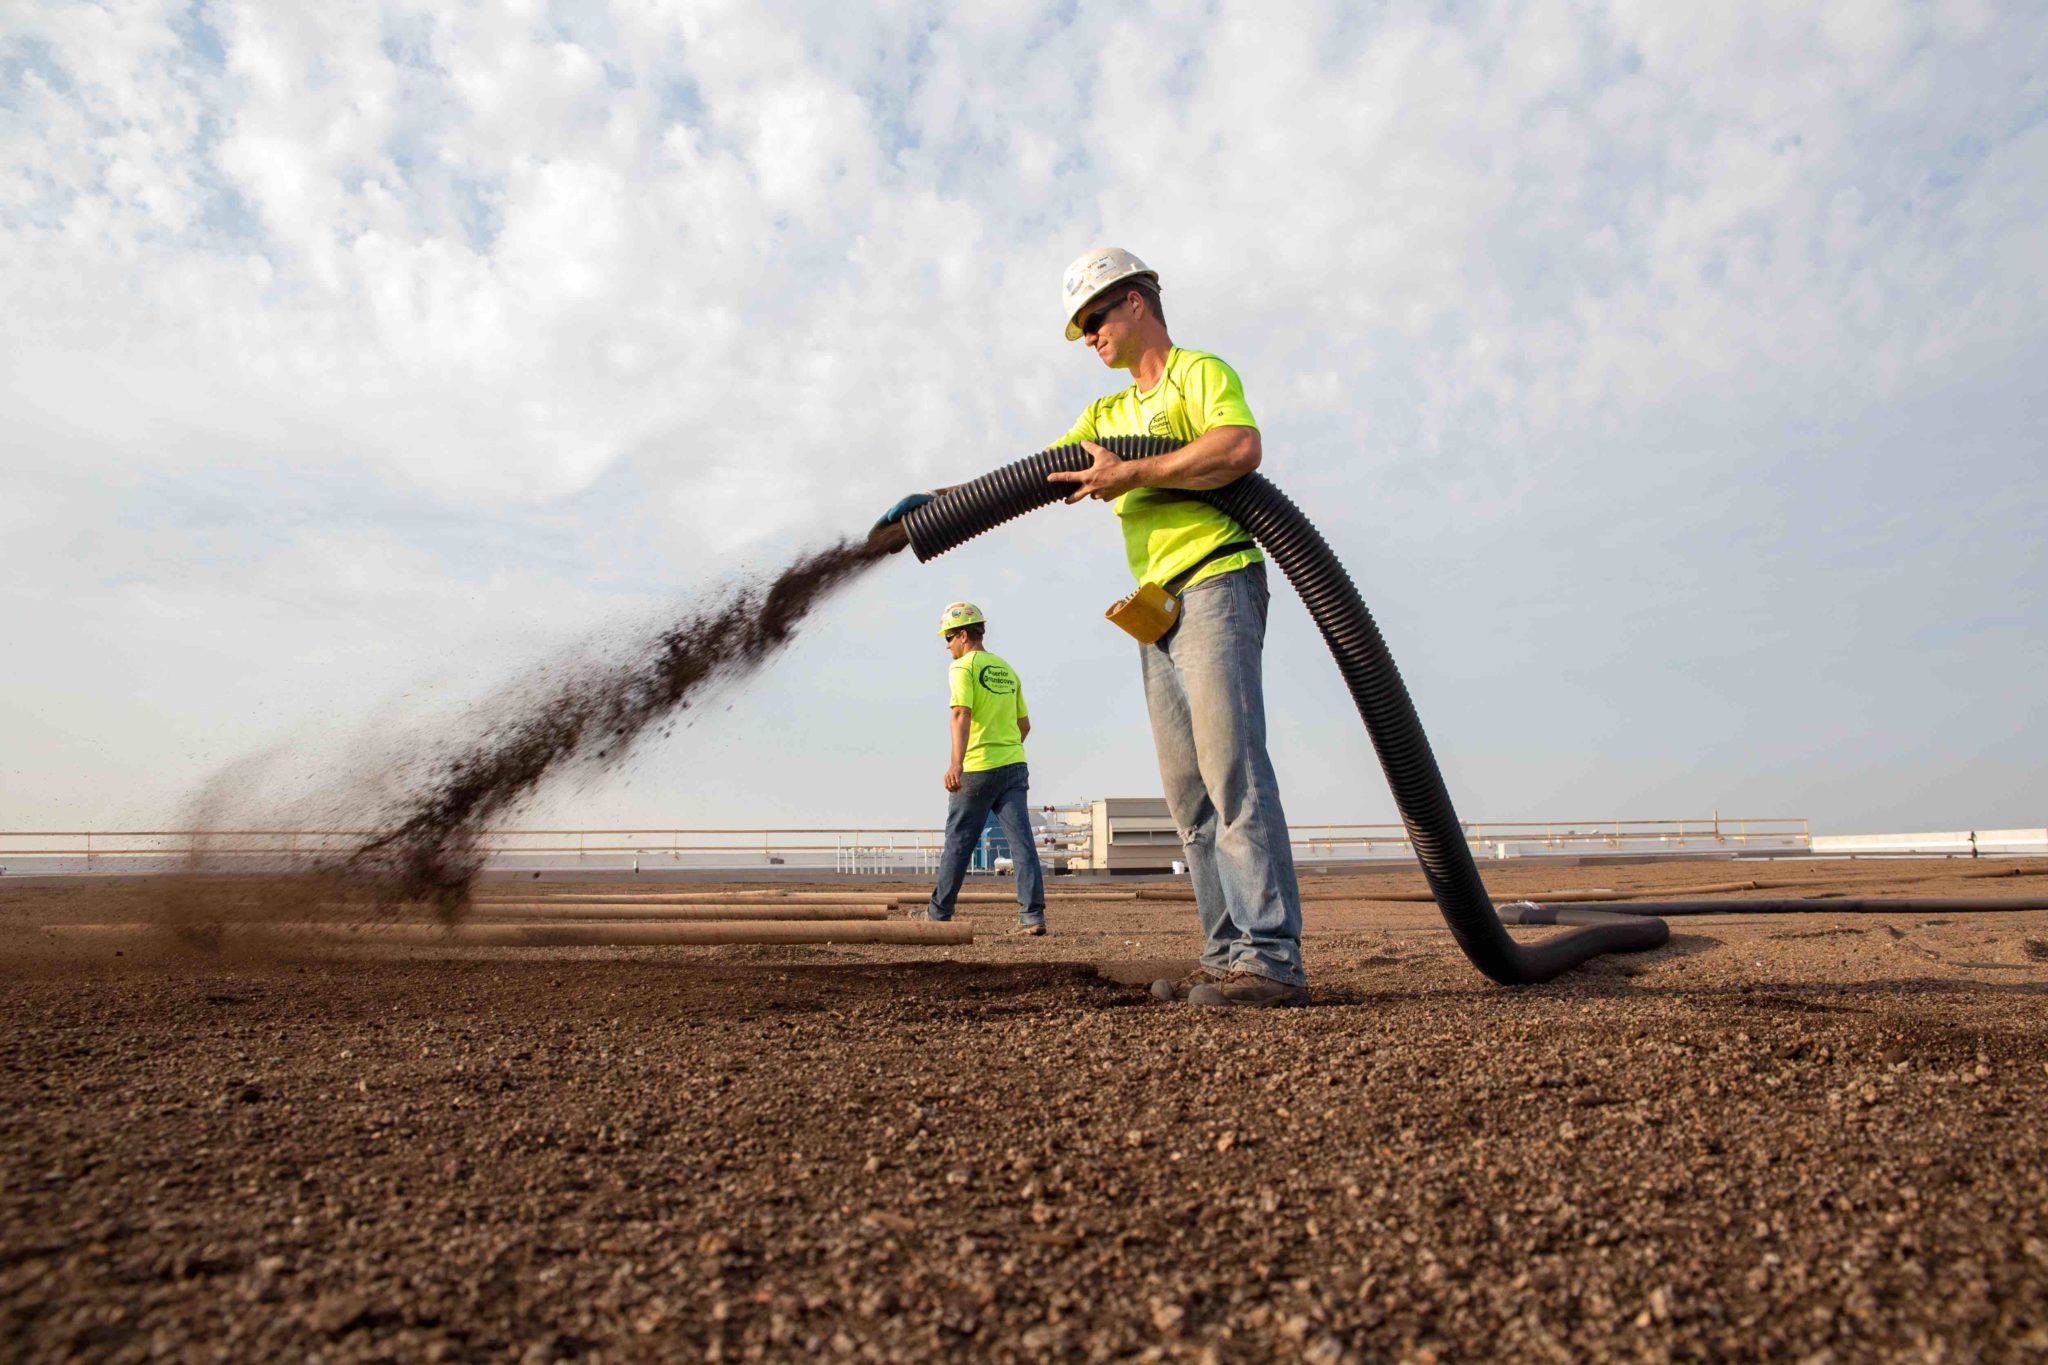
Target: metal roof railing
[(861, 848)]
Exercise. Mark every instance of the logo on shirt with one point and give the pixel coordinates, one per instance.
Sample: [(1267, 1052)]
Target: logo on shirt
[(997, 679), (1159, 425)]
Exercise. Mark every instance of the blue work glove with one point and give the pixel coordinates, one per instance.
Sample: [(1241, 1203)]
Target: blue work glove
[(903, 505)]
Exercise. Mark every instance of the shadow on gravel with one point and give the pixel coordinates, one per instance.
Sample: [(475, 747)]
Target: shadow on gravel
[(1594, 984), (943, 990), (928, 990)]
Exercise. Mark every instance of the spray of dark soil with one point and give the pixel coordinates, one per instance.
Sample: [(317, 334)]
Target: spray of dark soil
[(428, 850)]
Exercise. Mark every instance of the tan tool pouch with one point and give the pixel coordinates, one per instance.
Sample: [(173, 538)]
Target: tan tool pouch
[(1146, 614), (1151, 611)]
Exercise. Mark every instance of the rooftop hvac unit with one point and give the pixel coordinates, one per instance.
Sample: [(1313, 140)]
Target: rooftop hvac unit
[(1133, 834)]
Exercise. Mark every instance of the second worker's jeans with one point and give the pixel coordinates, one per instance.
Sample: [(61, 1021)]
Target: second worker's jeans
[(1001, 790), (1204, 685)]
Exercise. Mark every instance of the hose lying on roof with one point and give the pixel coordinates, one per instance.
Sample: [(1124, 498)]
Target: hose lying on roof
[(1340, 613)]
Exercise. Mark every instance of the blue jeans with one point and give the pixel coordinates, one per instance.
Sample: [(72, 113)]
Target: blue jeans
[(1000, 790), (1205, 688)]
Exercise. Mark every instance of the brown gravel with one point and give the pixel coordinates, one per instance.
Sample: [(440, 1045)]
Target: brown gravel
[(1785, 1138)]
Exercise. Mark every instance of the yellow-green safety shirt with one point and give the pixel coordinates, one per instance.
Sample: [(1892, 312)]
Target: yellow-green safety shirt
[(990, 688), (1166, 530)]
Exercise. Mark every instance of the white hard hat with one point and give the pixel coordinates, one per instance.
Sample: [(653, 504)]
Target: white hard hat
[(1094, 271)]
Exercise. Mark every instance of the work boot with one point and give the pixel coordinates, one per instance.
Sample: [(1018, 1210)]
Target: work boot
[(1164, 989), (1029, 930), (1250, 989)]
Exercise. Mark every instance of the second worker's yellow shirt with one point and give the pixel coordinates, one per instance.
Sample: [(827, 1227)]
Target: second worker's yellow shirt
[(987, 686)]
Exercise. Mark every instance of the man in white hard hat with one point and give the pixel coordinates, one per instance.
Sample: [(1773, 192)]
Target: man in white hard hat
[(1203, 677), (986, 772)]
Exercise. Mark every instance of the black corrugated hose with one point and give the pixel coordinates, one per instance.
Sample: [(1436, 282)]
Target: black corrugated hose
[(962, 513)]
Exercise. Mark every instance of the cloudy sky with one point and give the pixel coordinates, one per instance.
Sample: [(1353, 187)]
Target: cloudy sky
[(1669, 378)]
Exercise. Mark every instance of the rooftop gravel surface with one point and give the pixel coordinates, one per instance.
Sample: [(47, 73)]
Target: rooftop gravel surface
[(1788, 1137)]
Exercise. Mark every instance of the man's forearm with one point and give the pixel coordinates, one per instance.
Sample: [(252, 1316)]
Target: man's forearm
[(961, 720), (1216, 457)]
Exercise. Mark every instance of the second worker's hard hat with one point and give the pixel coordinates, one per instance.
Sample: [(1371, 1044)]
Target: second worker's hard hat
[(1094, 271), (958, 614)]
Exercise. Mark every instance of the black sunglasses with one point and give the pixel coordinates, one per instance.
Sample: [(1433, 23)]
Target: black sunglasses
[(1093, 322)]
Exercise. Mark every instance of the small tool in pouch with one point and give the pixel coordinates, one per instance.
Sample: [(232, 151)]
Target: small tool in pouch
[(1151, 611)]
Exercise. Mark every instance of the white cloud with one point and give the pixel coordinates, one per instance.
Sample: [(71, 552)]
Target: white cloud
[(672, 285)]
